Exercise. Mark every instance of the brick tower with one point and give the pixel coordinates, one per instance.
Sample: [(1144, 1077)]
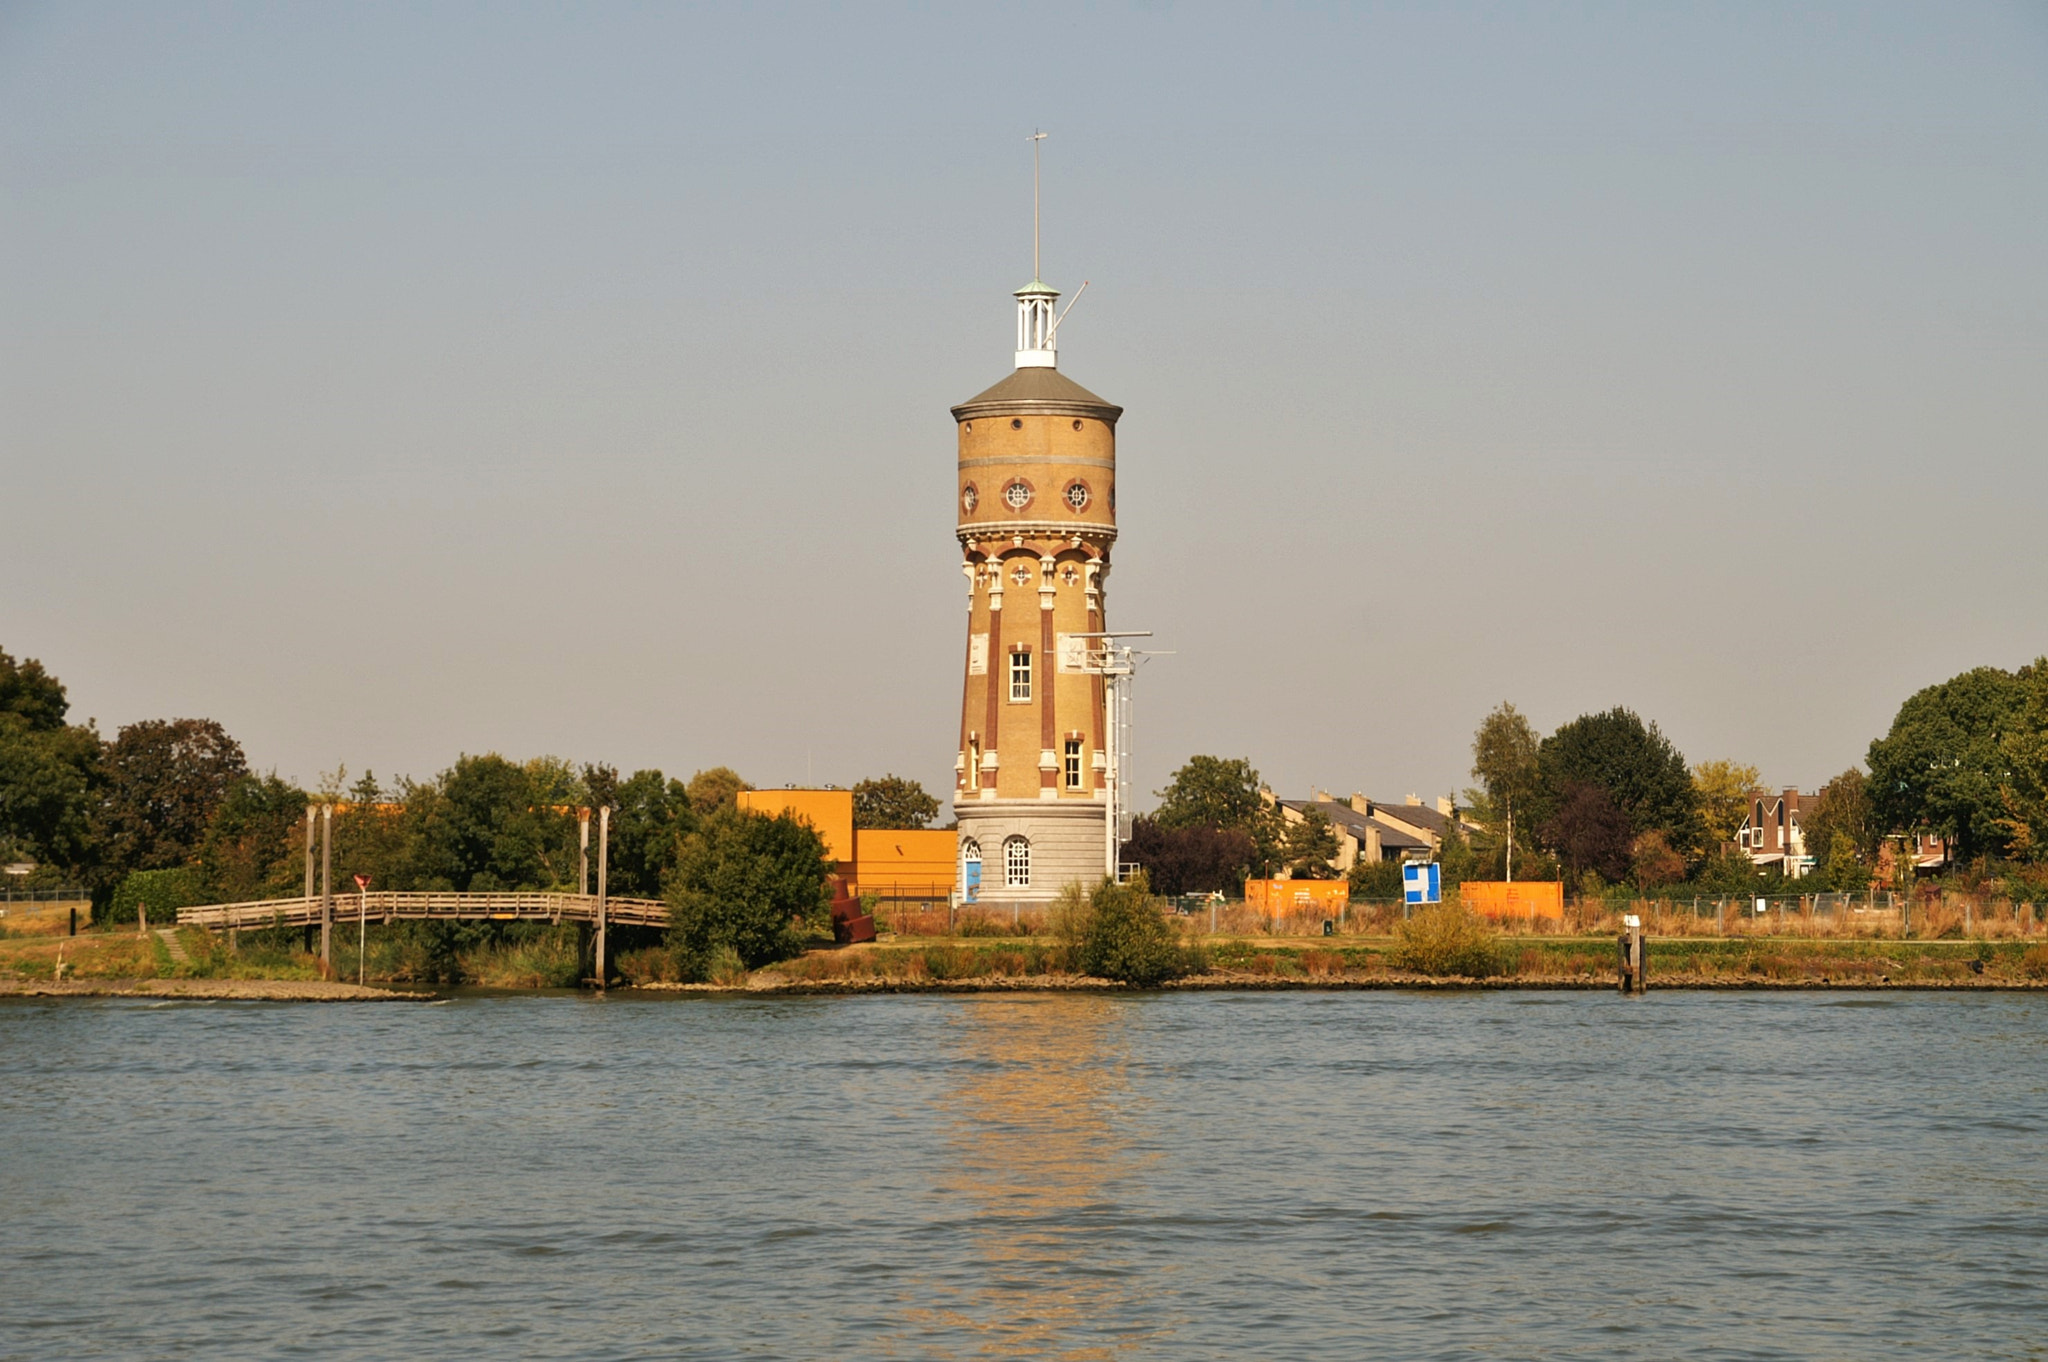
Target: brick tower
[(1037, 515)]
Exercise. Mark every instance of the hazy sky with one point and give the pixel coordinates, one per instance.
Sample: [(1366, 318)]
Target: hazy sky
[(393, 382)]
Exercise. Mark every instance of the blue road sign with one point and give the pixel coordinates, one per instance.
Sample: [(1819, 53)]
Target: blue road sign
[(1422, 883)]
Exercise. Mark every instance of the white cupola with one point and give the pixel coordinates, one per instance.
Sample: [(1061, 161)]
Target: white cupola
[(1037, 334)]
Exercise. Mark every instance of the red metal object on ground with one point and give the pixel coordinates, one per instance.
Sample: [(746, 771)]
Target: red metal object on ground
[(850, 925)]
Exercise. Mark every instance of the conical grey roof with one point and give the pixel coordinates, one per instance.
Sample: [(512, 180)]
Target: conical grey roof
[(1037, 392)]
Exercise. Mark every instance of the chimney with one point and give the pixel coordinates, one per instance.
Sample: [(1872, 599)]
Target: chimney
[(1414, 798), (1360, 804), (1444, 805)]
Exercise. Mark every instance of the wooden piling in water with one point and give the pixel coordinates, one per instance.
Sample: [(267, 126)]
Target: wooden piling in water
[(1631, 975)]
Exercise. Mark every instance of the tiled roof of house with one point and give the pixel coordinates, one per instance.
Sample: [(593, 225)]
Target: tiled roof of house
[(1356, 823)]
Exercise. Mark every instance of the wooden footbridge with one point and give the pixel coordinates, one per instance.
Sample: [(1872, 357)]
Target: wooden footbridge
[(328, 911), (387, 907)]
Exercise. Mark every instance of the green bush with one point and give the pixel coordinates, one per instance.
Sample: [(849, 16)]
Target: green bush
[(1125, 935), (748, 882), (162, 892), (1446, 939)]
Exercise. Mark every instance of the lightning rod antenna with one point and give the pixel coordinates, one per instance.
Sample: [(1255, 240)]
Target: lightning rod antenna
[(1036, 139)]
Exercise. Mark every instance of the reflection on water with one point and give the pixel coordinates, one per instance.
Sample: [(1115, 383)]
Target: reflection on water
[(1035, 1145), (1192, 1177)]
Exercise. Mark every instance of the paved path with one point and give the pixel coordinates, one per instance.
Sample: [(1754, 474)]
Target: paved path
[(169, 936)]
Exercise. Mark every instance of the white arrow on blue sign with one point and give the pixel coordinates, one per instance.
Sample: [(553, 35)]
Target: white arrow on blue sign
[(1422, 883)]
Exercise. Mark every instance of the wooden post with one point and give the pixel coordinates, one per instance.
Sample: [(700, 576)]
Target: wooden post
[(604, 843), (327, 891), (141, 918), (1630, 944), (583, 852)]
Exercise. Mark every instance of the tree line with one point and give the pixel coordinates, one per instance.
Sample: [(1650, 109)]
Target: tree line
[(168, 813), (1608, 802)]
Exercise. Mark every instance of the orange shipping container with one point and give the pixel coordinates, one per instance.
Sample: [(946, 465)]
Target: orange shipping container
[(1295, 896), (1522, 899)]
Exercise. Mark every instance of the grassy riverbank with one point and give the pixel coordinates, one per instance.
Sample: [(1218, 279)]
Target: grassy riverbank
[(1525, 961), (548, 957)]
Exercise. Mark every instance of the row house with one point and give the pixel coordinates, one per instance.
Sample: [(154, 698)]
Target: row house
[(1770, 831), (1373, 830)]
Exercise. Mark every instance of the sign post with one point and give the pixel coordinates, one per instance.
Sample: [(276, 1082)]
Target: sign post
[(362, 925), (1420, 884)]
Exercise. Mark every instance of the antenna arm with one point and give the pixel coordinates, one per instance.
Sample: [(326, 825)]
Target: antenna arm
[(1054, 333)]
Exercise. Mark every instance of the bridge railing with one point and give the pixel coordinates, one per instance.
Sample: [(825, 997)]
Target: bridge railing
[(393, 905)]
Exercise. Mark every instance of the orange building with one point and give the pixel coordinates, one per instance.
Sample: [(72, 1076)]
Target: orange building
[(891, 864)]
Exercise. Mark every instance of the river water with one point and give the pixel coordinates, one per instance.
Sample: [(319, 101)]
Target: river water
[(1300, 1175)]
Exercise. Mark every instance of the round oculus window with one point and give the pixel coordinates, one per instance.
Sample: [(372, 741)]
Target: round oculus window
[(1017, 495), (969, 498), (1077, 494)]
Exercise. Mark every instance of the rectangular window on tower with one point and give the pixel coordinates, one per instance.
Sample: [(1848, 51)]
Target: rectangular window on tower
[(1073, 764), (1020, 678)]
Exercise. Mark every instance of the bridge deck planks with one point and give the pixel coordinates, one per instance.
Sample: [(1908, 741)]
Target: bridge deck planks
[(389, 906)]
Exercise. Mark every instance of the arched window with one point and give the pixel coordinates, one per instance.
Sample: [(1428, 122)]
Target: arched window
[(1016, 863)]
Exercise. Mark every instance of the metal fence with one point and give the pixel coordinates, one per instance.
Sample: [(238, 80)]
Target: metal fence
[(44, 895)]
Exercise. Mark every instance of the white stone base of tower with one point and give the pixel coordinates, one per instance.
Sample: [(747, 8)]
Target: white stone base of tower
[(1066, 836)]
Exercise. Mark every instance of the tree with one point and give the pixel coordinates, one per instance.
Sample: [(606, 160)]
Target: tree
[(1842, 809), (1642, 775), (1942, 765), (1589, 833), (478, 827), (2023, 795), (715, 789), (1374, 880), (892, 802), (1211, 792), (1456, 860), (1653, 864), (1215, 792), (1196, 860), (49, 789), (165, 780), (652, 816), (253, 848), (1504, 763), (1844, 870), (1723, 788), (1310, 846), (32, 694), (748, 882)]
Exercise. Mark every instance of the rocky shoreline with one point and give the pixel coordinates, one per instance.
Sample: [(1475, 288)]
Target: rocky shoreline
[(1218, 981), (245, 990)]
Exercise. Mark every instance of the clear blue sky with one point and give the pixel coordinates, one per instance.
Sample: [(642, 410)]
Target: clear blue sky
[(389, 382)]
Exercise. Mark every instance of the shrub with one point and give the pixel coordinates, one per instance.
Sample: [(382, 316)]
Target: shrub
[(2034, 964), (725, 968), (1128, 938), (163, 892), (1446, 939)]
